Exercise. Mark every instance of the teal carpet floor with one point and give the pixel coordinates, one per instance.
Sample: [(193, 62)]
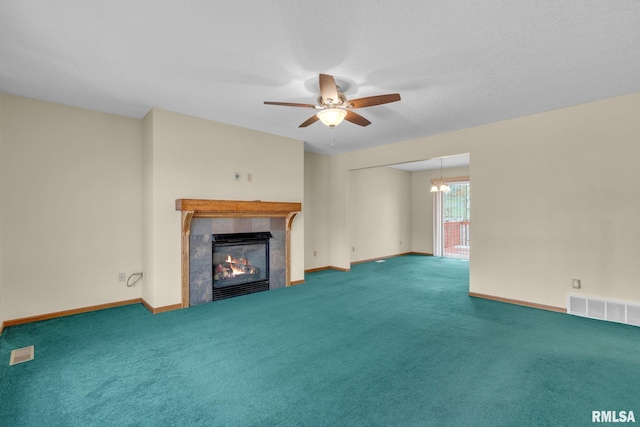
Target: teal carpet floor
[(398, 343)]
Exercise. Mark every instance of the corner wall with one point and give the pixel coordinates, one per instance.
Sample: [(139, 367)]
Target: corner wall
[(70, 215), (379, 213), (148, 200), (2, 237), (316, 208)]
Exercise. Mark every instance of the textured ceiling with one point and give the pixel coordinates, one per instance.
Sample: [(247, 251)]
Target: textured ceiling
[(456, 64)]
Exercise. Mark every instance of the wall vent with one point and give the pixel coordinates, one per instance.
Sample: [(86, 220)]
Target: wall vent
[(20, 355), (604, 309), (633, 315)]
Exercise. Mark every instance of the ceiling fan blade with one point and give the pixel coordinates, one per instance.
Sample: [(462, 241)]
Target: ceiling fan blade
[(374, 100), (311, 120), (328, 88), (356, 118), (290, 104)]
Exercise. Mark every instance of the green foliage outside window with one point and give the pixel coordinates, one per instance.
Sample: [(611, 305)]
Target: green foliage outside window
[(457, 202)]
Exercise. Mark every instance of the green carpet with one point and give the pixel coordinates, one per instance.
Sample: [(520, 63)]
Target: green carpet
[(398, 343)]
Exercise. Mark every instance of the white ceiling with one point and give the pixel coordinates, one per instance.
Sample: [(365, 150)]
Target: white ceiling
[(455, 63)]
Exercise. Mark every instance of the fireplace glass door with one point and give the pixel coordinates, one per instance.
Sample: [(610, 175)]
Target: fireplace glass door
[(240, 264)]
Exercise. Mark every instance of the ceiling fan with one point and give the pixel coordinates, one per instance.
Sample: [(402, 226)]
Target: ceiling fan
[(334, 106)]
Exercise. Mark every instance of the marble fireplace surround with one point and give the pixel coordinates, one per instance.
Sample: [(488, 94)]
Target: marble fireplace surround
[(201, 208)]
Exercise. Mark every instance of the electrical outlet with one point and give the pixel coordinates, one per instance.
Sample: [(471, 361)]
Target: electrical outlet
[(315, 253), (236, 176), (249, 177), (122, 277), (576, 283), (353, 248)]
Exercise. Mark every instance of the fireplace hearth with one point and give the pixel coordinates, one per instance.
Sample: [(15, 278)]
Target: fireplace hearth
[(240, 264)]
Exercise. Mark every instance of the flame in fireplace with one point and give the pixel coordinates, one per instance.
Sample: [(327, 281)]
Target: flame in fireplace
[(242, 261), (236, 265), (236, 270)]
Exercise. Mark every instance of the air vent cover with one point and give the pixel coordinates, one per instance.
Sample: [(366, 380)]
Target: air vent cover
[(577, 306), (604, 309), (20, 355), (616, 312), (633, 315), (596, 308)]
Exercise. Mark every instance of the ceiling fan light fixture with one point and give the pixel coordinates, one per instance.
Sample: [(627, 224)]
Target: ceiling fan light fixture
[(334, 106), (332, 116)]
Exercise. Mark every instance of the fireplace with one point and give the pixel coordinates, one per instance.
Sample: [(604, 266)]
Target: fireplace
[(240, 264), (203, 219)]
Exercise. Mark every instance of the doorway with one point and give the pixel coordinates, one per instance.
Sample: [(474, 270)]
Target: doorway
[(452, 216)]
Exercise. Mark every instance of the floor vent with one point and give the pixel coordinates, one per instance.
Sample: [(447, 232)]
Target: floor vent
[(20, 355), (604, 309)]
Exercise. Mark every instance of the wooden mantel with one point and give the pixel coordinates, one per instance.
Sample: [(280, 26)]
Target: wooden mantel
[(199, 208)]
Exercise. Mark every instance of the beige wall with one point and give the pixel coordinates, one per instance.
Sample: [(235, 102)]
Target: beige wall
[(566, 204), (413, 223), (148, 199), (74, 213), (379, 213), (71, 196), (2, 177), (316, 209), (368, 214), (71, 207), (196, 159), (565, 207), (422, 206)]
